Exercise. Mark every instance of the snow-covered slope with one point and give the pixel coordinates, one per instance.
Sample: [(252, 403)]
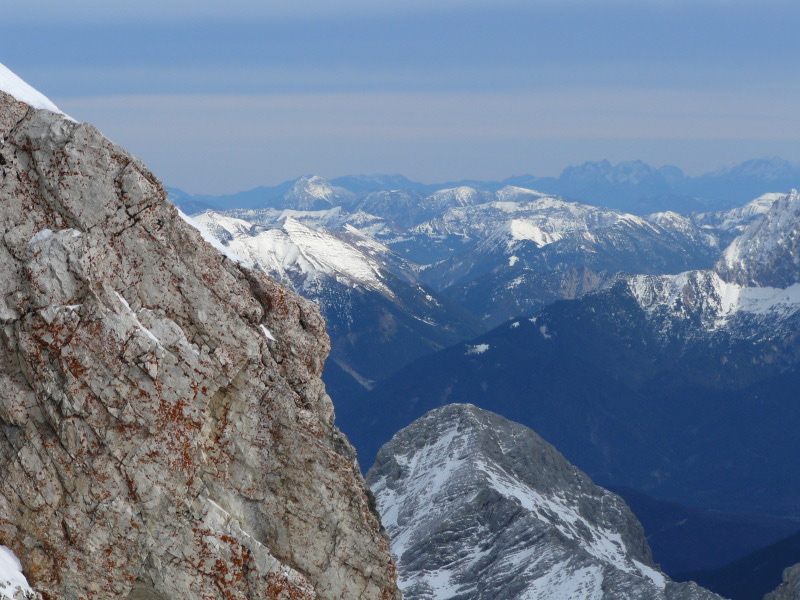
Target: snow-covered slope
[(713, 304), (752, 293), (523, 214), (11, 84), (298, 254), (768, 250), (313, 193), (736, 219), (13, 584), (478, 507), (550, 233)]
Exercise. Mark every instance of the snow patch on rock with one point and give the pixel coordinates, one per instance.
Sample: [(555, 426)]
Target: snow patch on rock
[(13, 584), (478, 349)]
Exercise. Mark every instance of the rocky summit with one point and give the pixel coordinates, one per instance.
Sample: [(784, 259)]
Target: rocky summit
[(164, 432), (479, 507)]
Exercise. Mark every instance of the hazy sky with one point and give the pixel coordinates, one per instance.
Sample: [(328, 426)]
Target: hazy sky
[(218, 97)]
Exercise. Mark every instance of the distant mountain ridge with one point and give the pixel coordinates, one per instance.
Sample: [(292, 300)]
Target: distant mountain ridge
[(498, 253), (632, 186)]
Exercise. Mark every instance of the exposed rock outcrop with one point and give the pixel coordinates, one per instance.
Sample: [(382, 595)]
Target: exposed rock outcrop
[(480, 508), (164, 432), (790, 588)]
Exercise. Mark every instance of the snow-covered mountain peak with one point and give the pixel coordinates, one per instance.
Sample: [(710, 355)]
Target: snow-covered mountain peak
[(478, 507), (224, 227), (314, 193), (669, 219), (762, 204), (315, 186), (767, 252), (512, 193), (458, 196), (736, 219), (12, 84)]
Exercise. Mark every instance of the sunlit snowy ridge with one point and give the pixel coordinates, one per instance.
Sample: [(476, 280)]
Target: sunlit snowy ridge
[(294, 247), (706, 293)]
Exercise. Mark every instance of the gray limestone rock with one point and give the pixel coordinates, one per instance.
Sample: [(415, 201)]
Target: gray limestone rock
[(481, 508), (164, 432)]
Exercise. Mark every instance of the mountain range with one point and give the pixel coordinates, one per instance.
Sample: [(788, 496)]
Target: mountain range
[(659, 337), (654, 374), (681, 387), (420, 273), (631, 186)]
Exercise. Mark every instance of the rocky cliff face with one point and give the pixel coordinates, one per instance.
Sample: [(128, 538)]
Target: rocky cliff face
[(790, 588), (479, 507), (164, 432)]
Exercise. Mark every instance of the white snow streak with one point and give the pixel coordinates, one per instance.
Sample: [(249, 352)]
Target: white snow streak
[(136, 320)]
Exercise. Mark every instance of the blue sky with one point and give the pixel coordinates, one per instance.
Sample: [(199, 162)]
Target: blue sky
[(218, 97)]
